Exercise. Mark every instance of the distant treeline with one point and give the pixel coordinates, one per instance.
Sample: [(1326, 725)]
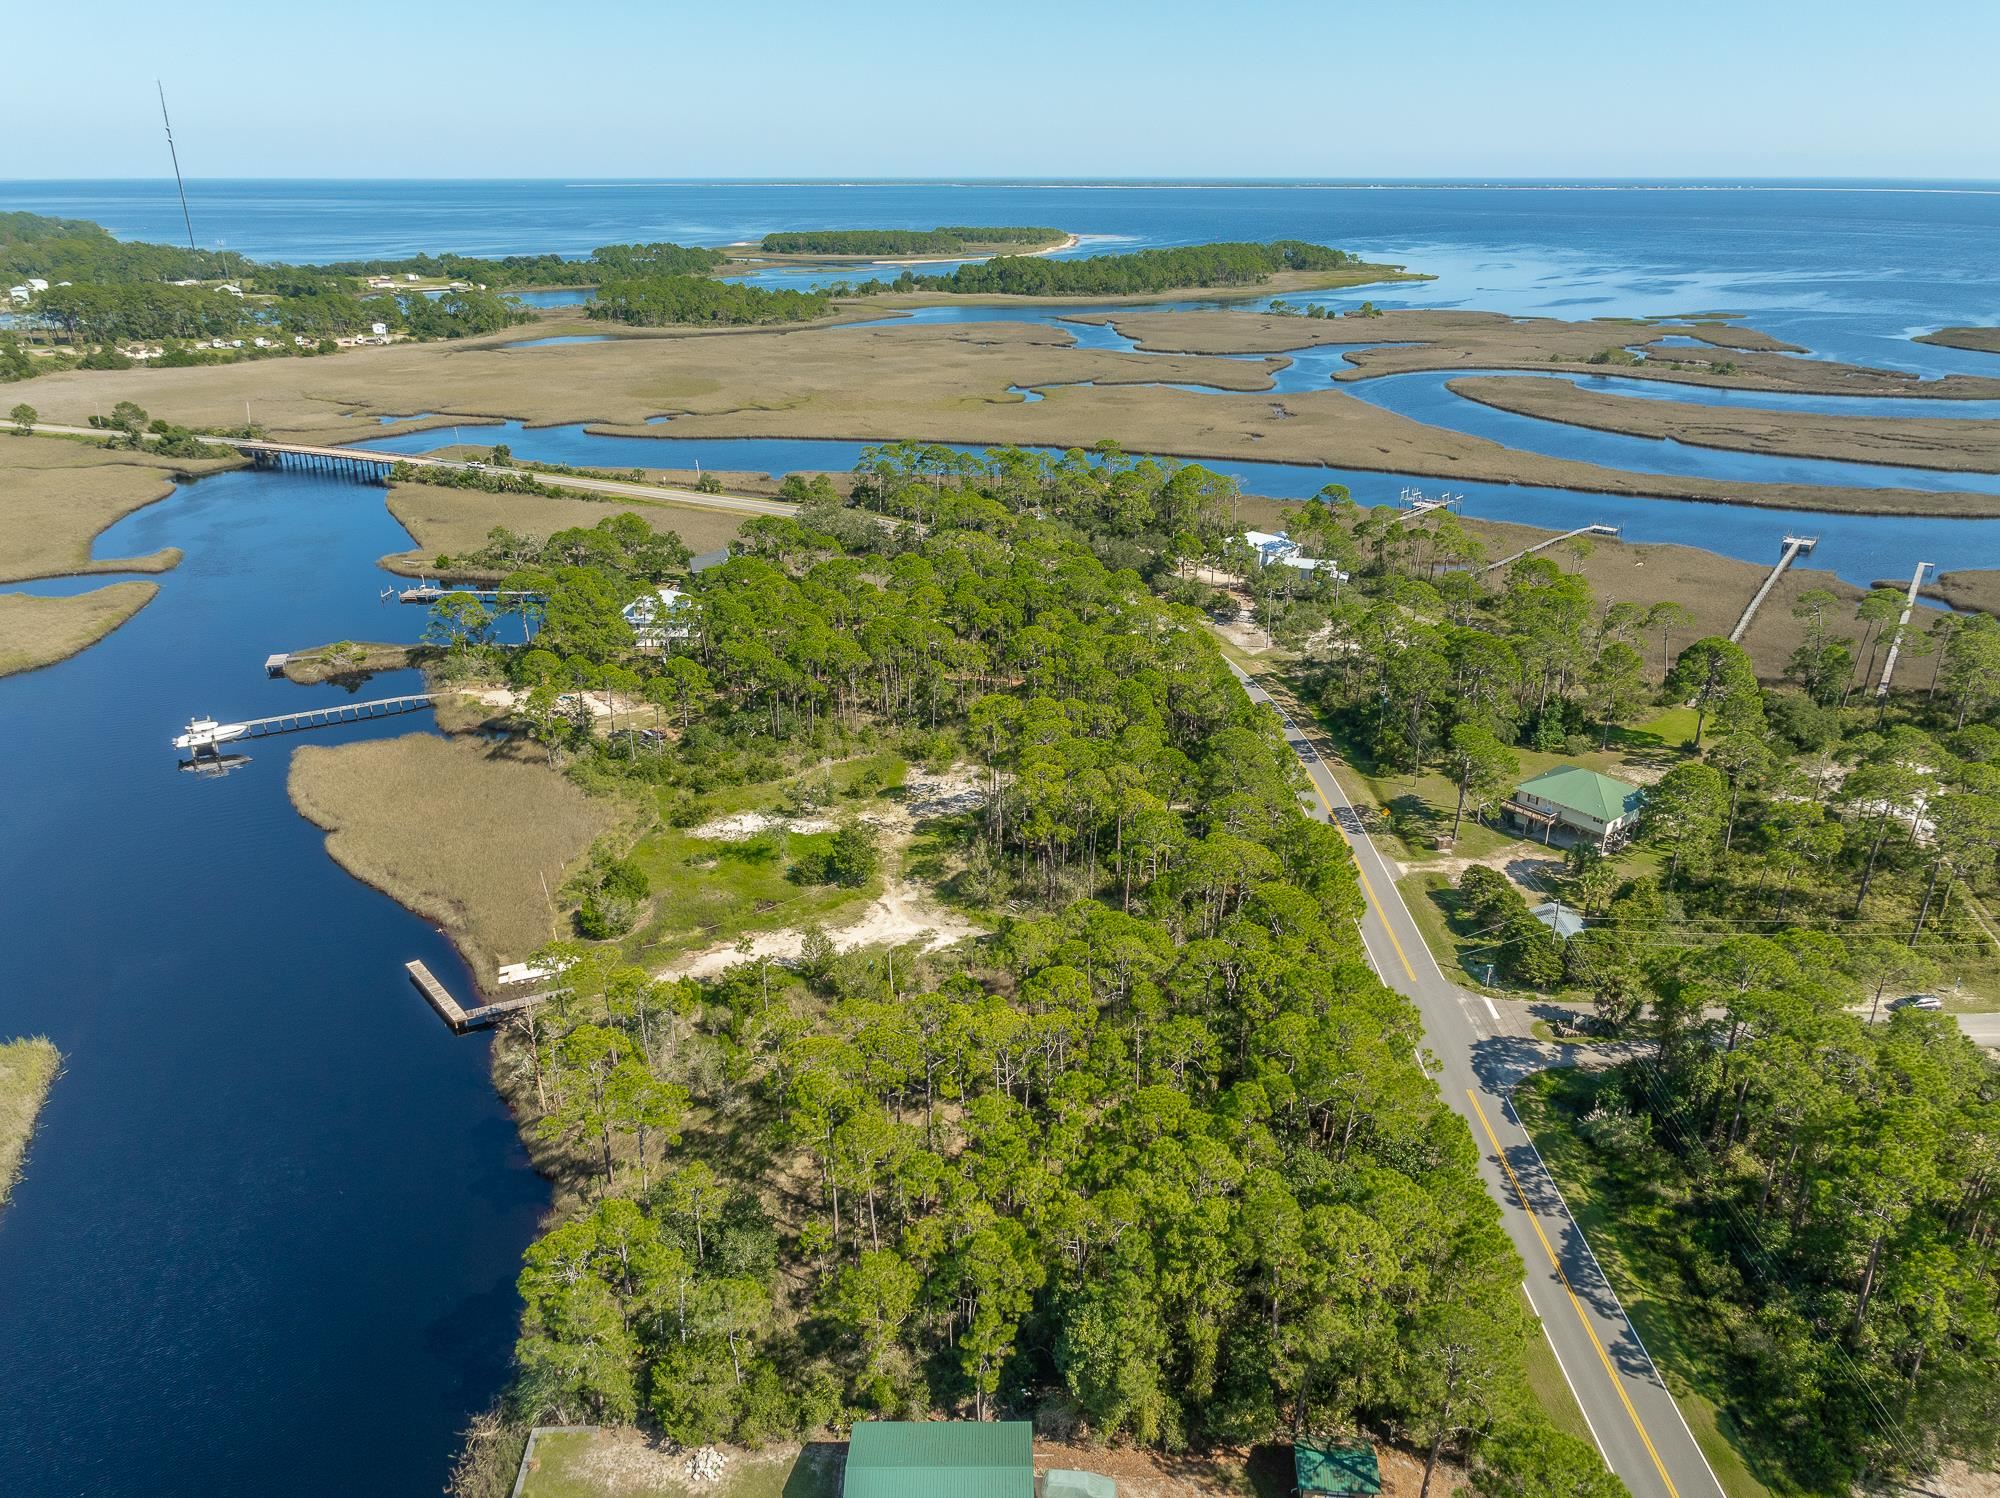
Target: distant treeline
[(160, 312), (1142, 270), (75, 249), (950, 239), (544, 270), (658, 301)]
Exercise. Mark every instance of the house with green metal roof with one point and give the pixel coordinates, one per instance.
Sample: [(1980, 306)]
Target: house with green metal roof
[(1578, 804), (930, 1458), (1334, 1467)]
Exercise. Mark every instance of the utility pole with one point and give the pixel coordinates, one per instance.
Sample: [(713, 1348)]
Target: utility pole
[(175, 155)]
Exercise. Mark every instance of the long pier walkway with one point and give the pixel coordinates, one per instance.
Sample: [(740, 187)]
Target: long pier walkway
[(429, 590), (455, 1014), (1581, 530), (1902, 623), (207, 733), (1795, 547)]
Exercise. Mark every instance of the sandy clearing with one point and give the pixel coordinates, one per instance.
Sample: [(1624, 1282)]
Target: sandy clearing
[(747, 824), (904, 913)]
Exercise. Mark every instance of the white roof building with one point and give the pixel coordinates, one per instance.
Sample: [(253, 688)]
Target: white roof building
[(379, 329), (18, 293), (36, 283), (1281, 550), (1311, 565), (652, 617), (1270, 548)]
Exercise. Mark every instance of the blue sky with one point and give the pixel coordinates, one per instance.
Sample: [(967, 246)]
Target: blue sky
[(1020, 87)]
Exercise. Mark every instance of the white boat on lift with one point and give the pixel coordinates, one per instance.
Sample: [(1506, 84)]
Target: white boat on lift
[(206, 733)]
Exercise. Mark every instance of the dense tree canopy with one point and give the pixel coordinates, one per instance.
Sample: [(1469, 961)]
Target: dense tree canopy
[(1156, 1152), (948, 239)]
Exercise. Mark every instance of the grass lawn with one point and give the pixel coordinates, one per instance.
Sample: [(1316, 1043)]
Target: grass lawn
[(622, 1464), (1634, 1232), (707, 890), (1461, 954)]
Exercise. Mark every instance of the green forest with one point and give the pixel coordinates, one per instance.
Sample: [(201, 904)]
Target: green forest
[(658, 301), (516, 271), (105, 292), (1815, 1171), (1142, 270), (951, 239), (1153, 1158), (661, 301)]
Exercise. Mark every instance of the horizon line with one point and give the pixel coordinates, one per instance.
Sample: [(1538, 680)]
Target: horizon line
[(1040, 180)]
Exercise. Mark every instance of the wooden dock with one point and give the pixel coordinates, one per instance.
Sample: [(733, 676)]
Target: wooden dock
[(1902, 623), (452, 1012), (1795, 547), (1581, 530), (203, 734)]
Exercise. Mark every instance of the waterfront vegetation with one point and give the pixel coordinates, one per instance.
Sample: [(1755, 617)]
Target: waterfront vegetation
[(656, 301), (463, 534), (1191, 266), (955, 239), (37, 631), (1153, 1159), (353, 660), (470, 834), (663, 301), (60, 492), (519, 271), (28, 1069), (105, 293)]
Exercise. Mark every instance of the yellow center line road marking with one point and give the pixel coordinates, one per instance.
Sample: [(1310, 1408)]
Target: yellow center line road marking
[(1589, 1330), (1367, 889)]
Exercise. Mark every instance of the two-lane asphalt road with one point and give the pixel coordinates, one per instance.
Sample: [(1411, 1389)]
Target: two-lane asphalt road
[(1635, 1420)]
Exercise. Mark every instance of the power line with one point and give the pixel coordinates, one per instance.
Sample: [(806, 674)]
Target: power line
[(186, 217)]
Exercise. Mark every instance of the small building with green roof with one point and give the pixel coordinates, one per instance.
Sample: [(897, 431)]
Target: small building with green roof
[(1334, 1467), (1578, 804), (931, 1458)]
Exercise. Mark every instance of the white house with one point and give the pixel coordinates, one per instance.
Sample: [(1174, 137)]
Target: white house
[(36, 283), (1281, 550), (230, 288), (19, 293), (1270, 548), (652, 618), (379, 329), (1311, 565)]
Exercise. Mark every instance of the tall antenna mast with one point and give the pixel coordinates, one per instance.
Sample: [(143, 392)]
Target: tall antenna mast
[(176, 155)]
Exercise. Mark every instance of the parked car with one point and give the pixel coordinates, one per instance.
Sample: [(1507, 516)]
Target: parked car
[(1917, 1001)]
